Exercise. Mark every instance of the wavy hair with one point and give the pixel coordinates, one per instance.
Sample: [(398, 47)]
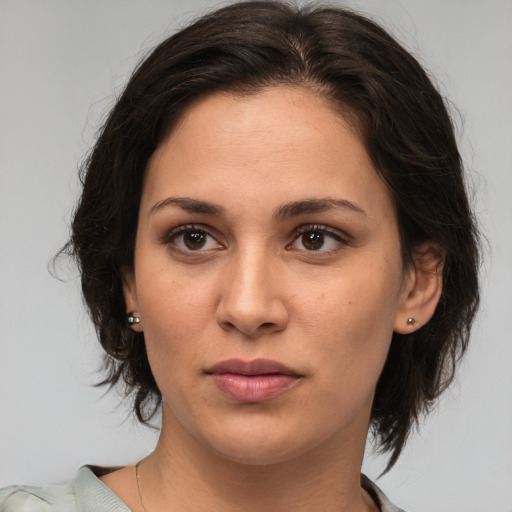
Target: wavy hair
[(387, 97)]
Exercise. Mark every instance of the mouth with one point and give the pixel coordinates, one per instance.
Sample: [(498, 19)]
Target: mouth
[(252, 381)]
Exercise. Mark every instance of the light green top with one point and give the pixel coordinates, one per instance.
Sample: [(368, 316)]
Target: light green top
[(87, 493)]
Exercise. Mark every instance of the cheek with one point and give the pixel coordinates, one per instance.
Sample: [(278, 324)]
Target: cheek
[(353, 321), (348, 346), (170, 299), (175, 315)]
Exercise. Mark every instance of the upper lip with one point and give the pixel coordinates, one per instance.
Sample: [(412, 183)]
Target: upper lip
[(255, 367)]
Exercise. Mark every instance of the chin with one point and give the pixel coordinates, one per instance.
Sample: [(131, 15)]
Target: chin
[(259, 446), (254, 454)]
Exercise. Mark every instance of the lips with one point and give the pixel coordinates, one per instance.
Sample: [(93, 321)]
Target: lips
[(252, 381)]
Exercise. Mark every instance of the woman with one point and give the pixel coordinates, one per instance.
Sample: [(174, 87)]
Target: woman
[(276, 247)]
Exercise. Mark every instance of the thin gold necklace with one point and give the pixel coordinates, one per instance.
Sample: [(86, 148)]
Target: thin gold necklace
[(139, 487)]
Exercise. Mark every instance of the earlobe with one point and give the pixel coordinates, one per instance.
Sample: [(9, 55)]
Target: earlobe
[(133, 316), (422, 288)]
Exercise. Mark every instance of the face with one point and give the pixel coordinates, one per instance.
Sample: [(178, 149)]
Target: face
[(268, 276)]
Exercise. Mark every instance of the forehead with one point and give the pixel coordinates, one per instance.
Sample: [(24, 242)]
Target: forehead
[(286, 143)]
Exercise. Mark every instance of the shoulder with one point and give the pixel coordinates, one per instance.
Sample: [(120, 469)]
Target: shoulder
[(55, 498), (85, 493), (378, 496)]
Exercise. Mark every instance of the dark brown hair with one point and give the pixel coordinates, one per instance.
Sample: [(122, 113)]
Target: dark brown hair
[(380, 89)]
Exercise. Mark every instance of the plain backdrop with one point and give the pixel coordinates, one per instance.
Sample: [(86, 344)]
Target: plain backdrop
[(61, 64)]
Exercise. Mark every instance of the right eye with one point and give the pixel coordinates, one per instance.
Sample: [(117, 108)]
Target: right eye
[(192, 239)]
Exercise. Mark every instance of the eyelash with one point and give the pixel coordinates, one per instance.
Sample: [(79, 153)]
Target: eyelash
[(170, 238), (324, 230)]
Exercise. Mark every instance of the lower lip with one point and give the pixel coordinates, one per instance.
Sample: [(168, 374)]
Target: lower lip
[(253, 388)]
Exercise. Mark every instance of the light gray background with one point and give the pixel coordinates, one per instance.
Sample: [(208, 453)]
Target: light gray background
[(60, 63)]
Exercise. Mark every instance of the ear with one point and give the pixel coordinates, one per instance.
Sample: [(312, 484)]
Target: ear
[(130, 299), (422, 288)]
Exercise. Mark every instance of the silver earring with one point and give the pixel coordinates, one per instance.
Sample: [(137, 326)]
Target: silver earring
[(411, 321), (132, 319)]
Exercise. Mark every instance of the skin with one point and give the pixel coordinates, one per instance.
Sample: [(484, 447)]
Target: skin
[(250, 284)]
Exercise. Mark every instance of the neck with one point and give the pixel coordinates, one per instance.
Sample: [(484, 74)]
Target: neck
[(183, 474)]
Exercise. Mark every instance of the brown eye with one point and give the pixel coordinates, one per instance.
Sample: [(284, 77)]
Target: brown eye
[(313, 240), (322, 240), (194, 240)]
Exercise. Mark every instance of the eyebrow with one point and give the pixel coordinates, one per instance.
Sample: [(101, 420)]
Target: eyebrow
[(189, 205), (306, 206), (285, 211)]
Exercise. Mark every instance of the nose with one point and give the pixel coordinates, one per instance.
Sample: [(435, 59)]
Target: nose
[(252, 297)]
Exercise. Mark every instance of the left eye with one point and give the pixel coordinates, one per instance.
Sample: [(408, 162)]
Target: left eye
[(194, 239), (317, 239)]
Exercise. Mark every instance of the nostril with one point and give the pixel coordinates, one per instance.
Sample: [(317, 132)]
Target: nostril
[(251, 315), (231, 325)]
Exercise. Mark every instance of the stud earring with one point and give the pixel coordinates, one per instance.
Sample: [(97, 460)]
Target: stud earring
[(411, 321), (132, 319)]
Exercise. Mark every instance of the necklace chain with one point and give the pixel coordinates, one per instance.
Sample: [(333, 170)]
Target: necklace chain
[(139, 486)]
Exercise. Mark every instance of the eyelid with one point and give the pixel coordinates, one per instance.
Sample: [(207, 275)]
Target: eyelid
[(170, 235), (340, 237)]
